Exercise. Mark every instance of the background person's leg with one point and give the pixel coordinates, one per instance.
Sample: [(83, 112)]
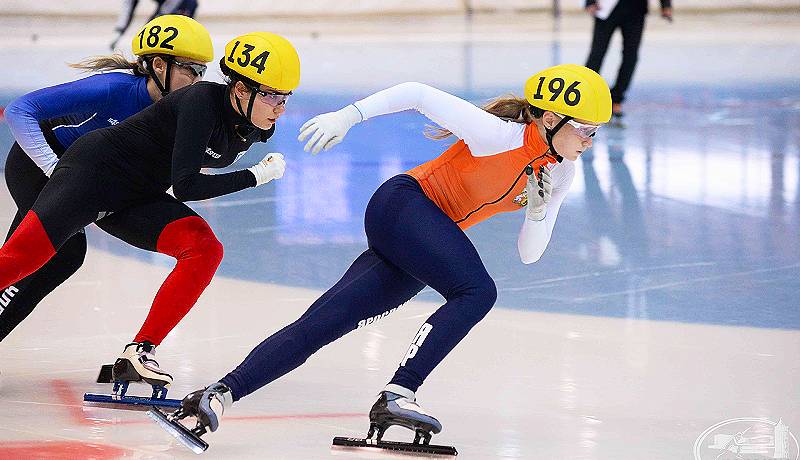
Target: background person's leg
[(601, 37), (632, 29)]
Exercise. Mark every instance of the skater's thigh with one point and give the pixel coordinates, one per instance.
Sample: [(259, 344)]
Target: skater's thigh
[(142, 224), (369, 290), (407, 229), (68, 202), (24, 179)]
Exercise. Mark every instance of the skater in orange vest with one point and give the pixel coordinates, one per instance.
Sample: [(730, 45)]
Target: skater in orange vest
[(508, 157)]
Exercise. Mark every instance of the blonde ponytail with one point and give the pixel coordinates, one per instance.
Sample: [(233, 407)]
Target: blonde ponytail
[(113, 62), (508, 107)]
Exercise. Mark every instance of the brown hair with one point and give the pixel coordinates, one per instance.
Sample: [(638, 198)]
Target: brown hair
[(112, 62), (507, 107)]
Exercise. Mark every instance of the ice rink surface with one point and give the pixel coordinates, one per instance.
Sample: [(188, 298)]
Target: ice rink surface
[(666, 303)]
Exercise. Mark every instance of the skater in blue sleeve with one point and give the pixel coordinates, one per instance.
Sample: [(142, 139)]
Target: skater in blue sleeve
[(118, 177), (47, 121)]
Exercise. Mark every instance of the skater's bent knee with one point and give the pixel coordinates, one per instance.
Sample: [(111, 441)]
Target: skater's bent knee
[(478, 296), (209, 248), (191, 237), (486, 293)]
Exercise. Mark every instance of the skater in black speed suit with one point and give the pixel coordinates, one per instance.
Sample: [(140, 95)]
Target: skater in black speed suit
[(119, 176)]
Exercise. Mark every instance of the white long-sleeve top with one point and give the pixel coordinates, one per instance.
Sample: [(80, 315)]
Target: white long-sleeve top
[(485, 135)]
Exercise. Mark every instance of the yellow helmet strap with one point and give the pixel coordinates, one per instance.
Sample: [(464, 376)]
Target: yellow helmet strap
[(550, 132)]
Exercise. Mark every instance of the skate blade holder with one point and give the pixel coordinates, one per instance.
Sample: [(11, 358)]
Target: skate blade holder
[(170, 423), (432, 450), (120, 400), (130, 402), (420, 446)]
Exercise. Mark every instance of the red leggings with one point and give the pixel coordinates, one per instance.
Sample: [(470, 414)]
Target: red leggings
[(188, 239), (198, 252)]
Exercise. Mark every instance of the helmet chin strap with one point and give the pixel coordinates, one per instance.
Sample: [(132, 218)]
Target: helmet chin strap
[(550, 133), (241, 110), (161, 87)]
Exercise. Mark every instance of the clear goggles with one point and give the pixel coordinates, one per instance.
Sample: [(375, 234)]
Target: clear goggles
[(272, 98), (198, 70), (583, 130)]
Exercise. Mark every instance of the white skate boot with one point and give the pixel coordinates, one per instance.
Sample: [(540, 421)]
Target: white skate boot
[(137, 363)]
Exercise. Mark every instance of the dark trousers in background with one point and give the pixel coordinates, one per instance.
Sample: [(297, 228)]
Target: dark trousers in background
[(631, 25)]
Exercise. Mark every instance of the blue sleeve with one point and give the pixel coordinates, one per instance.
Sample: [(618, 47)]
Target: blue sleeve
[(84, 96)]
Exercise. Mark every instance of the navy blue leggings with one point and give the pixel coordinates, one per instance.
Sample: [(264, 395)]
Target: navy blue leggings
[(412, 243)]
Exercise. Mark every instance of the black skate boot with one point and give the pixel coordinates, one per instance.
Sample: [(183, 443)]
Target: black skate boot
[(206, 405), (136, 364), (397, 406)]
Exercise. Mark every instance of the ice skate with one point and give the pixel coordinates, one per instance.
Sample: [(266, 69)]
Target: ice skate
[(206, 405), (398, 406), (136, 364)]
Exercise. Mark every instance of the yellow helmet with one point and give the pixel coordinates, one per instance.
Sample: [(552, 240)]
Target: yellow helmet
[(266, 58), (174, 35), (572, 90)]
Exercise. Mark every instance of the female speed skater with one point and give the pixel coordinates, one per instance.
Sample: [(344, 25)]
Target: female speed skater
[(415, 226), (47, 121), (118, 177)]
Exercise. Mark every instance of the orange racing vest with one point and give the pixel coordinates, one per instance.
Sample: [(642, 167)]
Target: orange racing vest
[(471, 189)]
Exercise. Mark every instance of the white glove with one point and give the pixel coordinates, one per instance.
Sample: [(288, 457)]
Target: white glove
[(329, 128), (271, 167), (539, 191)]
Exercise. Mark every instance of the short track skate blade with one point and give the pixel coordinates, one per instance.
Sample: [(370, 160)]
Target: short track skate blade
[(180, 432), (105, 373), (131, 402), (428, 449)]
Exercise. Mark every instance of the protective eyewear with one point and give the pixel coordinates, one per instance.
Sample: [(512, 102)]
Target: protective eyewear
[(271, 97), (198, 70), (585, 131)]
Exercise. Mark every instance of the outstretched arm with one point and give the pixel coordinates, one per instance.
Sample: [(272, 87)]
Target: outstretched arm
[(484, 133)]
